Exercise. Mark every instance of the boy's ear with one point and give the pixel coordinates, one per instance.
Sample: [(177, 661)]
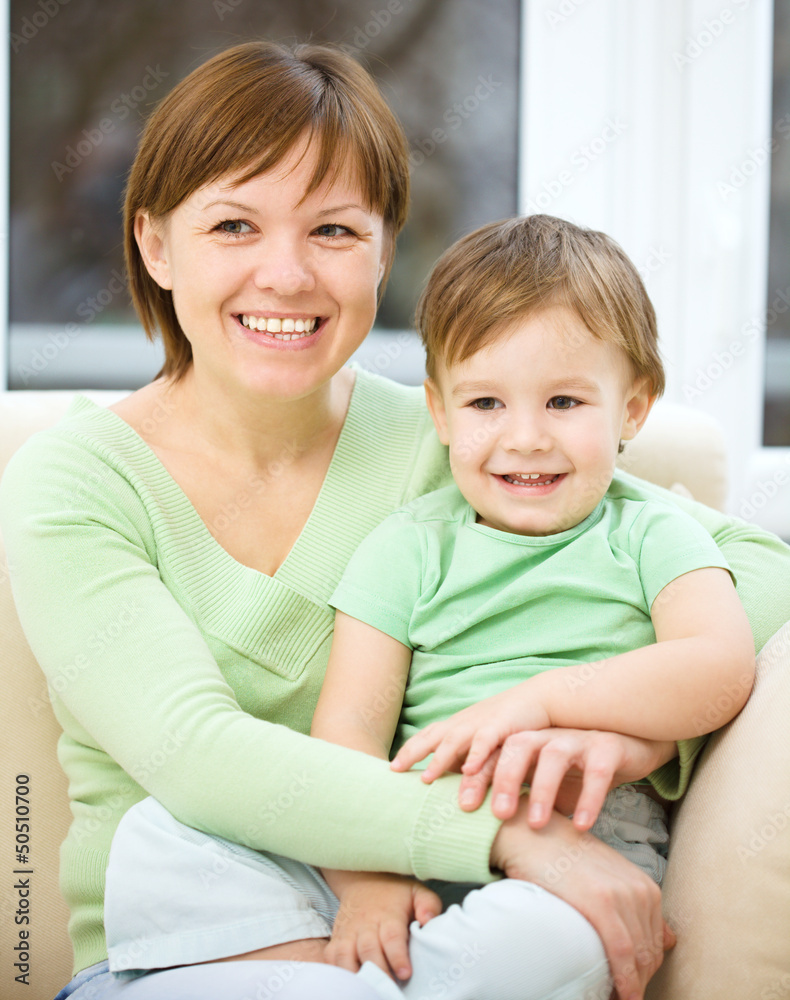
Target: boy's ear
[(638, 405), (150, 242), (433, 398)]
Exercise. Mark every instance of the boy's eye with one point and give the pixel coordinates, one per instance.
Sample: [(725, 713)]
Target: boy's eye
[(486, 403), (562, 403)]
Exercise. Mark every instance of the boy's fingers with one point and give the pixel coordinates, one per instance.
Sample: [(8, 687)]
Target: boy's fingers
[(395, 944), (553, 763), (473, 787), (512, 768), (418, 746), (448, 753), (599, 768), (427, 905), (484, 743), (369, 949), (343, 954)]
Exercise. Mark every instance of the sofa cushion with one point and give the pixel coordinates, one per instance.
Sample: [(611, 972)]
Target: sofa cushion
[(727, 891)]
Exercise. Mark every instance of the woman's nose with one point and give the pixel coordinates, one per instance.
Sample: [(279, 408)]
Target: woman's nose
[(284, 267)]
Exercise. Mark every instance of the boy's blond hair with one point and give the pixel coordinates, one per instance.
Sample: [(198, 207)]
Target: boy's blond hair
[(509, 270)]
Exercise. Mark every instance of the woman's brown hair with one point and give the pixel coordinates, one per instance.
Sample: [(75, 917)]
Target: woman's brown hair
[(238, 115)]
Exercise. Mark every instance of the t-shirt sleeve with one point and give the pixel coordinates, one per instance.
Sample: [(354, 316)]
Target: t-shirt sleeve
[(669, 543), (759, 559), (382, 581)]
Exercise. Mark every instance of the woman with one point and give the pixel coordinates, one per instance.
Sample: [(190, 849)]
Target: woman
[(184, 546)]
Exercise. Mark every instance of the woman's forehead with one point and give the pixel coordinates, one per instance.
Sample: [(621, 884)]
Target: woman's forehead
[(293, 176)]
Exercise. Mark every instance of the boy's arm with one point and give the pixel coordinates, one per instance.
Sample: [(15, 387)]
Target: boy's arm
[(358, 708), (363, 689), (695, 678)]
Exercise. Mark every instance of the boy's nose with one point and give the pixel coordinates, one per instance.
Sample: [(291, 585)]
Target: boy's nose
[(525, 435)]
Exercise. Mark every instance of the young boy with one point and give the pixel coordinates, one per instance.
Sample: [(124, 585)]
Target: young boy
[(530, 594)]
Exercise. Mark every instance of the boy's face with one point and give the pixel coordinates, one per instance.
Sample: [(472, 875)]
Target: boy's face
[(534, 421)]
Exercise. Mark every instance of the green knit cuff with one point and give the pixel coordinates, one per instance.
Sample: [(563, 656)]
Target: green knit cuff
[(672, 779), (447, 843)]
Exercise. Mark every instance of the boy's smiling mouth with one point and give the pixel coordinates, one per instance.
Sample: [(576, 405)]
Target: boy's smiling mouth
[(531, 479)]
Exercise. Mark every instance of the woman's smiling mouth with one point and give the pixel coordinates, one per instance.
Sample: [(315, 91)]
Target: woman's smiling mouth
[(285, 328)]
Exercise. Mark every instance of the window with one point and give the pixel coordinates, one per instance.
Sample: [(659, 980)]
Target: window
[(777, 313), (84, 74)]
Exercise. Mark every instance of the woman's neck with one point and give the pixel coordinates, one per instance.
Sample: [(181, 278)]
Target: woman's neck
[(253, 430)]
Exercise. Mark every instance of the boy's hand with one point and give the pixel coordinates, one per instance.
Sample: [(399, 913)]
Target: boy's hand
[(473, 734), (372, 924), (571, 770)]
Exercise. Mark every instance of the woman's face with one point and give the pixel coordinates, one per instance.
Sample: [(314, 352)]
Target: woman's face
[(274, 290)]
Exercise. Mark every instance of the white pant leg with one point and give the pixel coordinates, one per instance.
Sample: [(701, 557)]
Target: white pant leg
[(509, 940), (234, 981)]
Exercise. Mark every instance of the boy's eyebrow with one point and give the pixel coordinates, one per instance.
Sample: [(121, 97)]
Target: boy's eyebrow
[(466, 388), (576, 383)]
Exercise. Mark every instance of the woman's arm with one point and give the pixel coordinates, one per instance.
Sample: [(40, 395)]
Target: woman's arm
[(136, 681)]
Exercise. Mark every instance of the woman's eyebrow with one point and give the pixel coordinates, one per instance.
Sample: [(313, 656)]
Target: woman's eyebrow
[(342, 208), (228, 204)]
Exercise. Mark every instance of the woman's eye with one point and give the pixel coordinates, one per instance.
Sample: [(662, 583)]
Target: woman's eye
[(333, 231), (486, 403), (562, 402), (235, 227)]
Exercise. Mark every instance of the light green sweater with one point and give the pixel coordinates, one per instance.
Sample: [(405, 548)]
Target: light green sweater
[(178, 672)]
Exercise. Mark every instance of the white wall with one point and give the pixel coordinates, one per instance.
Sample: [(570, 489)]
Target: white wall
[(651, 120)]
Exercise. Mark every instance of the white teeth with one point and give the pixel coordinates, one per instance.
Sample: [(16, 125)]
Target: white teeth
[(282, 329)]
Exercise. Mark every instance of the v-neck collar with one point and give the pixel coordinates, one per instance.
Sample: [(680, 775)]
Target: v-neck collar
[(319, 522)]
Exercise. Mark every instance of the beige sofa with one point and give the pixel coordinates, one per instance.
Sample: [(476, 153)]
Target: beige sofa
[(728, 885)]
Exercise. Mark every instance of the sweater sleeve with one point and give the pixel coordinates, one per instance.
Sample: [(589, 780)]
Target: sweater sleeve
[(129, 665), (759, 562)]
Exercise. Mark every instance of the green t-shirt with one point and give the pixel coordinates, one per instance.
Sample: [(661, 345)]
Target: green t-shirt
[(483, 609)]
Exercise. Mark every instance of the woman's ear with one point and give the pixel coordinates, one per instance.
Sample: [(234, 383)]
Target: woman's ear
[(638, 404), (151, 244), (433, 398)]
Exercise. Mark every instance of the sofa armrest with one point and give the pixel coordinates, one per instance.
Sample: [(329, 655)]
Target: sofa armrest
[(727, 890)]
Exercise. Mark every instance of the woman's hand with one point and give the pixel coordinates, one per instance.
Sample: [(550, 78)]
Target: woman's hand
[(618, 899), (372, 924), (571, 770)]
